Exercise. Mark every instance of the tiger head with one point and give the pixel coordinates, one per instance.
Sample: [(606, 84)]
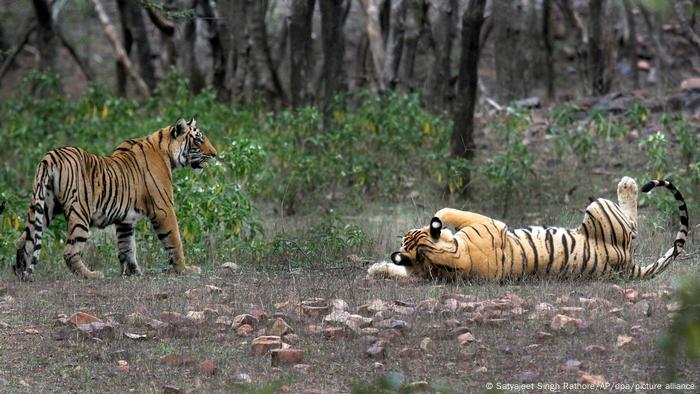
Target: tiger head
[(425, 244), (189, 146)]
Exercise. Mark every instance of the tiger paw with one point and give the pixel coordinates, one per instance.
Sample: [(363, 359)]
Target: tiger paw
[(93, 275)]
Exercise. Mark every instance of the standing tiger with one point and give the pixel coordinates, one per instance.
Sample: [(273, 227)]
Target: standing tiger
[(96, 191), (485, 248)]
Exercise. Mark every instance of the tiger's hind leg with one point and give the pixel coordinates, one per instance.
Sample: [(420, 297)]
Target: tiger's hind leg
[(459, 219), (627, 194), (126, 243), (78, 234)]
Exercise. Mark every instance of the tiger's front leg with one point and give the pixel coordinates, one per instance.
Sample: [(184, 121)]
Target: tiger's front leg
[(126, 244), (166, 228)]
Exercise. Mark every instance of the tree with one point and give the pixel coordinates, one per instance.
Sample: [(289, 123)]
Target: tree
[(598, 60), (512, 72), (442, 15), (462, 141), (300, 50), (333, 44), (264, 75)]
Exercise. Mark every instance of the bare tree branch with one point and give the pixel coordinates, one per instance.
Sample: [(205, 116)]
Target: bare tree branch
[(120, 52), (22, 42), (679, 9)]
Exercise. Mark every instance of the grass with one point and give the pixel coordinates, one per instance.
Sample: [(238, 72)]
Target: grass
[(288, 201)]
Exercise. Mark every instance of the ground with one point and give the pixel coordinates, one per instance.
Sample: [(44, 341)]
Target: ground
[(515, 338)]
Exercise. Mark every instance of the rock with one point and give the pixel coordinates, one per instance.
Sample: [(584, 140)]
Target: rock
[(481, 369), (334, 332), (596, 380), (466, 339), (230, 266), (171, 389), (572, 365), (357, 322), (392, 324), (529, 102), (244, 330), (290, 356), (504, 348), (122, 366), (175, 319), (373, 306), (134, 336), (339, 304), (336, 316), (428, 305), (314, 307), (570, 310), (368, 339), (214, 289), (426, 344), (450, 305), (314, 329), (291, 339), (377, 350), (642, 308), (690, 84), (631, 295), (207, 367), (302, 368), (174, 360), (223, 321), (79, 318), (262, 345), (401, 309), (594, 349), (196, 316), (97, 329), (368, 331), (528, 377), (565, 324), (623, 340), (544, 335), (280, 328), (418, 386), (244, 319), (643, 65), (3, 382), (244, 378)]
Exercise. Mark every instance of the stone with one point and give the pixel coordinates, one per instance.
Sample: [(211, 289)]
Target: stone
[(623, 340), (290, 356), (642, 308), (357, 322), (572, 365), (174, 360), (122, 366), (263, 344), (334, 332), (336, 316), (97, 329), (171, 389), (528, 377), (280, 328), (466, 339), (244, 319), (594, 349), (631, 295), (426, 344), (339, 304), (196, 316), (175, 319), (690, 84), (231, 266), (207, 367), (410, 353), (291, 339), (565, 324), (596, 380), (392, 324), (302, 368), (377, 350), (544, 335), (244, 330), (79, 318)]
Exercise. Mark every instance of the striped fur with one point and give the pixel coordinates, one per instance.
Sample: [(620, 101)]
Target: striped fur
[(97, 191), (485, 248)]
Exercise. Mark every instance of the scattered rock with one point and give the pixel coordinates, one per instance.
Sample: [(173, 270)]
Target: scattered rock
[(403, 309), (31, 331), (214, 289), (392, 324), (428, 305), (596, 380), (135, 336), (466, 339), (174, 360), (623, 340), (368, 339), (171, 389), (244, 378), (4, 325), (595, 349), (244, 319), (572, 365), (504, 348), (262, 345), (420, 385), (196, 316), (426, 344), (673, 307), (565, 324), (570, 310), (302, 368), (481, 369), (79, 318), (339, 304), (373, 306), (357, 322), (529, 102), (97, 329), (544, 335), (207, 367), (410, 353), (224, 321), (336, 316), (122, 366), (244, 330), (291, 339), (691, 84), (314, 329), (175, 319), (377, 350), (631, 295), (334, 332), (3, 382), (314, 307), (289, 356), (280, 328), (231, 266)]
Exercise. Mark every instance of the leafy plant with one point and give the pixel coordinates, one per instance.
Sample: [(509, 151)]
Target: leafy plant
[(684, 331)]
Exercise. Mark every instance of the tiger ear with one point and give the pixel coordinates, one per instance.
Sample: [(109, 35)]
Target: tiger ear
[(179, 128), (435, 227), (192, 122)]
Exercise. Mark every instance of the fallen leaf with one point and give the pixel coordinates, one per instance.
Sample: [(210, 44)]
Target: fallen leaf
[(622, 340)]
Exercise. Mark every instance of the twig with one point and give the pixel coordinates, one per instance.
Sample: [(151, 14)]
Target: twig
[(23, 41), (121, 53)]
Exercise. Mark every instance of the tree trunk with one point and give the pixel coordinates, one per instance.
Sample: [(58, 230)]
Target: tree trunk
[(512, 70), (462, 141), (46, 37), (442, 15), (218, 53), (127, 40), (680, 10), (265, 77), (167, 30), (143, 46), (372, 10), (548, 48), (189, 61), (632, 52), (581, 40), (300, 50), (413, 27), (394, 44), (333, 43), (600, 81), (241, 43)]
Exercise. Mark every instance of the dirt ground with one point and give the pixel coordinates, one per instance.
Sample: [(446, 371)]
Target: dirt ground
[(482, 336)]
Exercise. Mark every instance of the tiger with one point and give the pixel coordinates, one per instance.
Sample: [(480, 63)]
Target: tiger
[(135, 181), (485, 248)]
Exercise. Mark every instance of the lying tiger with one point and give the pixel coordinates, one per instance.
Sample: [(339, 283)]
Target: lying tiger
[(485, 248), (96, 191)]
